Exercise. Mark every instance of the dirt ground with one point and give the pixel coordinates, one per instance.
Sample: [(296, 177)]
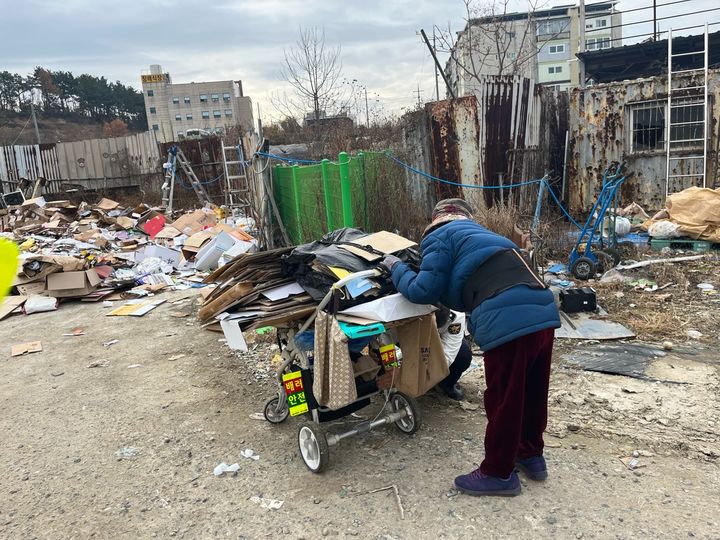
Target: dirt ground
[(128, 450)]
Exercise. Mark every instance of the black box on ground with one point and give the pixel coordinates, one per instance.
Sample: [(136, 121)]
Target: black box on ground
[(578, 299)]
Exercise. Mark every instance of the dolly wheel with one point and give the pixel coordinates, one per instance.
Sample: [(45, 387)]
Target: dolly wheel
[(314, 448), (411, 423), (583, 268), (271, 412)]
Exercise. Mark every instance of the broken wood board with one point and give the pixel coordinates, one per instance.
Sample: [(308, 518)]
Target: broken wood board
[(26, 348)]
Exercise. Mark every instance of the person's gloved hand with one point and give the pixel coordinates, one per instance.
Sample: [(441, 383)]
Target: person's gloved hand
[(388, 263)]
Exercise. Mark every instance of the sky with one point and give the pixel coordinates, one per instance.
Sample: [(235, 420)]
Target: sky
[(244, 39)]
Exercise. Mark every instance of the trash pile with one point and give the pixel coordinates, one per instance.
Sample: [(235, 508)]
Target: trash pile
[(104, 251), (693, 213), (282, 286)]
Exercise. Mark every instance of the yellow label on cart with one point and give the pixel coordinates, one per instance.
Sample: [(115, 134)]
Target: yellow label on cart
[(388, 355), (295, 393)]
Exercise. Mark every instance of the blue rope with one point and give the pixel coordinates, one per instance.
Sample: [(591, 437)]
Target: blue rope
[(289, 160), (560, 206), (188, 186), (470, 186)]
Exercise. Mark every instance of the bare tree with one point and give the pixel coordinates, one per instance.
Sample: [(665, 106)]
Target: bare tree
[(313, 70), (496, 45)]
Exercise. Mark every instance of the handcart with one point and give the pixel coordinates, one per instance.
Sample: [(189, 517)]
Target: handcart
[(594, 252), (295, 396)]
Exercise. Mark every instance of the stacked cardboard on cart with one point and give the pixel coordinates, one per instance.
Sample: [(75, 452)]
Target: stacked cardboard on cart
[(253, 287)]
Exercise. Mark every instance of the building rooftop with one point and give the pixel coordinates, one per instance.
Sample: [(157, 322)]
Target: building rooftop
[(648, 59), (556, 11)]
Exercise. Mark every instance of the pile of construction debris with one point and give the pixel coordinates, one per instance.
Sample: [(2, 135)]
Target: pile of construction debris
[(104, 251)]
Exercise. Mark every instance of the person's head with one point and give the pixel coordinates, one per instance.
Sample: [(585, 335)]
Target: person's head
[(448, 210)]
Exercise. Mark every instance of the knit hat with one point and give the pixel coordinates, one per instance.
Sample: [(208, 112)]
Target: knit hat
[(449, 210)]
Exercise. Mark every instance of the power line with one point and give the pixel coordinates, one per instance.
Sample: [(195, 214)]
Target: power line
[(649, 20), (642, 8), (665, 31), (21, 131)]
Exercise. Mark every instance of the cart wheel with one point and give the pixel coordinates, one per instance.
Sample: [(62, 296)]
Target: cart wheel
[(583, 268), (314, 448), (271, 411), (411, 423)]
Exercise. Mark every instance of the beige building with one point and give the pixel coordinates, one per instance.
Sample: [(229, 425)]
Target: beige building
[(540, 45), (173, 110)]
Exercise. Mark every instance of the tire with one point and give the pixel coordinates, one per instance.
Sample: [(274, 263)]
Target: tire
[(604, 261), (583, 268), (411, 423), (271, 414), (313, 445)]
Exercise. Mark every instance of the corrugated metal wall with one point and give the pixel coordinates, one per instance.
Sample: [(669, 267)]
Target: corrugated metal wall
[(94, 163), (601, 132)]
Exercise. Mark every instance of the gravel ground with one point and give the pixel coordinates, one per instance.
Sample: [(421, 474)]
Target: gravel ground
[(128, 450)]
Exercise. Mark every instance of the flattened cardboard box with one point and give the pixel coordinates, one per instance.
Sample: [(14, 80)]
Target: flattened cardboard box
[(70, 284), (424, 363)]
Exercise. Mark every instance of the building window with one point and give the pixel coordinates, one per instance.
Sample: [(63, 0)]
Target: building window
[(178, 117), (226, 96), (228, 112), (151, 93), (176, 100), (206, 114), (203, 98), (555, 49), (216, 114), (153, 110), (215, 98), (648, 126), (593, 44), (555, 69), (513, 56), (187, 100), (188, 116), (155, 127), (600, 23), (551, 27)]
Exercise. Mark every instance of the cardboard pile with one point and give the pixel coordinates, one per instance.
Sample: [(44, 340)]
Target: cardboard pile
[(253, 287), (93, 252)]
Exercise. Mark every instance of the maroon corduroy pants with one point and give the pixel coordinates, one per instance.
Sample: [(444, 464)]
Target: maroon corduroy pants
[(517, 375)]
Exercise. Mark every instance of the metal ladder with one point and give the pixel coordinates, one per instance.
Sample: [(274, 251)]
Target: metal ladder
[(686, 126), (238, 189), (177, 157)]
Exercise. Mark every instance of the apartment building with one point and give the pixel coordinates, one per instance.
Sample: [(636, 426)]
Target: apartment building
[(174, 109), (540, 45)]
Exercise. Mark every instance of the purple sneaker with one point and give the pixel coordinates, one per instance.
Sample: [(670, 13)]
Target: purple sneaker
[(533, 467), (478, 484)]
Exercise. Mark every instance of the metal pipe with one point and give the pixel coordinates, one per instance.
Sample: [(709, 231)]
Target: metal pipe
[(390, 418), (437, 64)]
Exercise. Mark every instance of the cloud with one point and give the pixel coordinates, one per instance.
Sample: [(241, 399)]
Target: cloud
[(244, 39)]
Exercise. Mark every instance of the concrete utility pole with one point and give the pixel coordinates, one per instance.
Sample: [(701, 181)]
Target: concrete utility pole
[(581, 45), (437, 87), (437, 63), (655, 36), (34, 119)]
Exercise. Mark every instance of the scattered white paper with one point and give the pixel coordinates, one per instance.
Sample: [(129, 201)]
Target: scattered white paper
[(248, 453), (224, 467), (283, 291), (270, 504), (111, 342), (237, 316), (233, 335)]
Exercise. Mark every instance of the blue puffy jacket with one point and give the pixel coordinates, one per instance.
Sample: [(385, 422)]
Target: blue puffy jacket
[(450, 255)]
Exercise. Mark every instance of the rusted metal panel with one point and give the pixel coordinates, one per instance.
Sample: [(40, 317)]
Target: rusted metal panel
[(454, 143), (28, 162), (601, 132)]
